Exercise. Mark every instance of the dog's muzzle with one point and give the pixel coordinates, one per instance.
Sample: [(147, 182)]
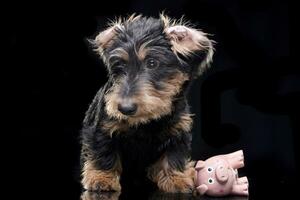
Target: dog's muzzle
[(127, 108)]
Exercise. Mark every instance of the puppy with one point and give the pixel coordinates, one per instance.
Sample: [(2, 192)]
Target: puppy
[(139, 122)]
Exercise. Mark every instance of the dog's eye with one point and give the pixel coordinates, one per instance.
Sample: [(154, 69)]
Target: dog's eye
[(119, 63), (152, 63), (118, 67)]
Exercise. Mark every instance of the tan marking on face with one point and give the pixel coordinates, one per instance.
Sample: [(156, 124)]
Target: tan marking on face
[(183, 125), (171, 180), (152, 103), (112, 99), (119, 53), (142, 52), (107, 180)]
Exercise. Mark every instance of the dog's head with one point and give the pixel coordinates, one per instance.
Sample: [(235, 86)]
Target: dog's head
[(149, 60)]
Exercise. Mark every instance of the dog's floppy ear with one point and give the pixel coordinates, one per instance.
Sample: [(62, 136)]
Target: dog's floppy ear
[(188, 41), (105, 39)]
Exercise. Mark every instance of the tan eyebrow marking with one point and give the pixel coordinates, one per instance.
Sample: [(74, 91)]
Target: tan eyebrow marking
[(142, 52), (119, 53)]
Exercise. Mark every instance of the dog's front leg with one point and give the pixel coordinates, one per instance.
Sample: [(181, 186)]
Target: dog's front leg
[(101, 168), (173, 174)]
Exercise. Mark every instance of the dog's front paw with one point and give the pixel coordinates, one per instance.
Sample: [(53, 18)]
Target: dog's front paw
[(174, 184), (177, 182), (97, 180)]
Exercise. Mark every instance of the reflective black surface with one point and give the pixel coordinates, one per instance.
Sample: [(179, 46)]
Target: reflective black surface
[(153, 196), (267, 189), (248, 99), (266, 193)]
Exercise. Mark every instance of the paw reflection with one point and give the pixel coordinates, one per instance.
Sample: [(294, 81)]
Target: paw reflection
[(87, 195), (171, 196)]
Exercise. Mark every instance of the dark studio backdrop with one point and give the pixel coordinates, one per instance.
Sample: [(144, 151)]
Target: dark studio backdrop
[(246, 100)]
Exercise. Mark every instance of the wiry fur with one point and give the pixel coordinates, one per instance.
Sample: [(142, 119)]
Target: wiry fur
[(151, 64)]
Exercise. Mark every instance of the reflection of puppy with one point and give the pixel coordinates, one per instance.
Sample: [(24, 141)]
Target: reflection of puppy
[(87, 195), (139, 121), (170, 196)]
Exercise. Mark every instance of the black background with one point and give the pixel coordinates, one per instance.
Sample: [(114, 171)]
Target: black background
[(247, 100)]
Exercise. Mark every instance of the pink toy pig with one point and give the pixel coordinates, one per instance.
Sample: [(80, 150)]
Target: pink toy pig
[(217, 176)]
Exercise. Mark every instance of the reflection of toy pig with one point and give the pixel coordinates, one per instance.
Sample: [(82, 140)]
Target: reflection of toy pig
[(217, 176)]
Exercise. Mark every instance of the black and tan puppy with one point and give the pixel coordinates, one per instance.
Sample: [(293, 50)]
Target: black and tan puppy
[(139, 122)]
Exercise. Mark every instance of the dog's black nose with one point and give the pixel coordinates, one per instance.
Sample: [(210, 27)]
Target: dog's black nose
[(128, 108)]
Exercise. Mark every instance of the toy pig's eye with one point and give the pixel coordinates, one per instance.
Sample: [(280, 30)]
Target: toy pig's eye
[(211, 181), (209, 169)]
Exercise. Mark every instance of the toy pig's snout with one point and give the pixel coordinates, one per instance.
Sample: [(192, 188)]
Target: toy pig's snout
[(222, 174)]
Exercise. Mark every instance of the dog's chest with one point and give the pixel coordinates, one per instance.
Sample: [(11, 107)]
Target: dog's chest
[(140, 148)]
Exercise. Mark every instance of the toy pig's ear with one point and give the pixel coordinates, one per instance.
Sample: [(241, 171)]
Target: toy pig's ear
[(200, 165), (202, 189)]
